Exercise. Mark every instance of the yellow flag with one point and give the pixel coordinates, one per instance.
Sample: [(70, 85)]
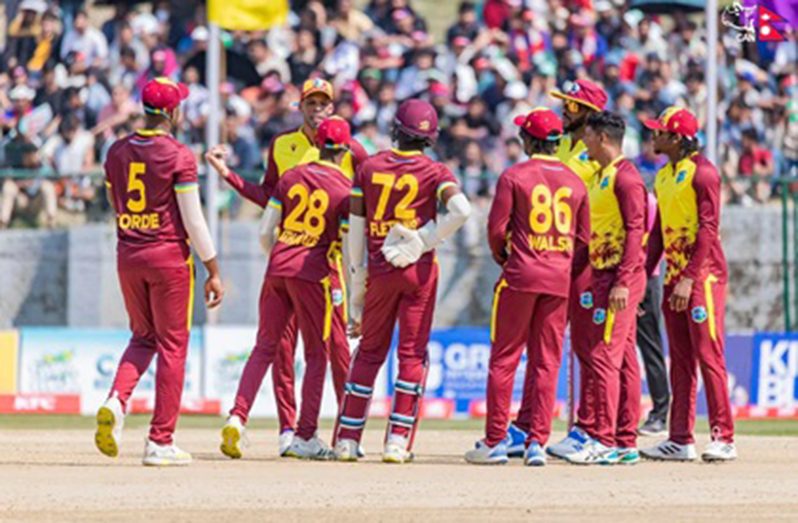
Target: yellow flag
[(247, 15)]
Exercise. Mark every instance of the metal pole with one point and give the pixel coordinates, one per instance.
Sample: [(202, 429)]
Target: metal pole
[(785, 256), (712, 80), (213, 80), (794, 211)]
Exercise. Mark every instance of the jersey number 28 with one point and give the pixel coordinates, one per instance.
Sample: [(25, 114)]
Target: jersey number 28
[(308, 214)]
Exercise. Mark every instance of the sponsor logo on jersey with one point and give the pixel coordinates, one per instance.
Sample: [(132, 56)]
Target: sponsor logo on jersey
[(337, 297), (699, 314), (599, 316), (586, 300)]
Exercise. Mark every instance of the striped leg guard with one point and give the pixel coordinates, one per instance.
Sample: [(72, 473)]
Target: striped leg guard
[(407, 408), (354, 411)]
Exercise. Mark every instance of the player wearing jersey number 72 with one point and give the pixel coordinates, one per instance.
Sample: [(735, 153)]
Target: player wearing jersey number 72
[(395, 195)]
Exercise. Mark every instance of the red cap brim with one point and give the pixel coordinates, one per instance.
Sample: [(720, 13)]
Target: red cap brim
[(183, 89), (654, 125), (519, 120)]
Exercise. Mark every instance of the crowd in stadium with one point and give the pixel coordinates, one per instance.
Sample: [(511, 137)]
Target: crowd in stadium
[(68, 87)]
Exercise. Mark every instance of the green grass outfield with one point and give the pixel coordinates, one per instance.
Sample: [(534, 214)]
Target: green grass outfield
[(788, 427)]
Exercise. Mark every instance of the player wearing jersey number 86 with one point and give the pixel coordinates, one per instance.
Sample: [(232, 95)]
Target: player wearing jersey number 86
[(541, 205)]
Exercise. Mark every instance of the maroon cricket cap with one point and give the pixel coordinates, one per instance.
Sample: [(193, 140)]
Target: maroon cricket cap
[(333, 133), (417, 118), (586, 93), (540, 123), (162, 94)]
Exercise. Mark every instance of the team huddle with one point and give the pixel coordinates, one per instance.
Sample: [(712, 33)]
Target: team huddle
[(351, 243)]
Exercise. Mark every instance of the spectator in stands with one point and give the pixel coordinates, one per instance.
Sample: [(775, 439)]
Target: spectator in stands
[(24, 32), (30, 195), (756, 166), (86, 40)]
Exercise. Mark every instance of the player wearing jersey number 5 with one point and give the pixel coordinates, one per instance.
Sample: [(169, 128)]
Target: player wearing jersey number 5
[(687, 228), (310, 204), (151, 182), (395, 195), (538, 229)]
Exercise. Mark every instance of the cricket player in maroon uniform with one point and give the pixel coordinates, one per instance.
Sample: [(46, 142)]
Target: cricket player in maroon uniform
[(310, 204), (151, 182), (538, 230), (687, 228), (618, 206), (394, 207), (288, 150)]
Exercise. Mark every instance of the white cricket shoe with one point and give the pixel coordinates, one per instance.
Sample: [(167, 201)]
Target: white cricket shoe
[(594, 453), (719, 450), (670, 451), (347, 450), (482, 454), (286, 438), (164, 455), (110, 420), (313, 448), (232, 436), (575, 441), (395, 450)]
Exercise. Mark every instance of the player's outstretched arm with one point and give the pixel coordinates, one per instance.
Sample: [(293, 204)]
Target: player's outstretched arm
[(191, 213), (256, 193)]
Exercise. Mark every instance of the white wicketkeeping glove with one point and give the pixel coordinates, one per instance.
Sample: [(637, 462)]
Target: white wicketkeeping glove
[(403, 246), (357, 287)]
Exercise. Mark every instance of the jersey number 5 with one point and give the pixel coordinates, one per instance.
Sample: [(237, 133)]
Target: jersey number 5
[(308, 214), (136, 185), (389, 183), (547, 210)]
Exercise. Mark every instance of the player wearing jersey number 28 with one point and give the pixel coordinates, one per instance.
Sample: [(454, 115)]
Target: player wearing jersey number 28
[(151, 182), (538, 230), (394, 209), (310, 204), (287, 150)]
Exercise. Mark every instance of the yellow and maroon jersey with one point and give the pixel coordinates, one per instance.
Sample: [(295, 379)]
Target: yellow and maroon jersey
[(143, 171), (398, 187), (288, 150), (618, 207), (688, 221), (313, 199), (541, 213), (575, 156)]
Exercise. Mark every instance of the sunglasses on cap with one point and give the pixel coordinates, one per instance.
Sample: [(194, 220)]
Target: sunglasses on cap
[(571, 106)]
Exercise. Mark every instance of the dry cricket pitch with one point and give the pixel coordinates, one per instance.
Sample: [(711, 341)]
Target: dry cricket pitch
[(59, 476)]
